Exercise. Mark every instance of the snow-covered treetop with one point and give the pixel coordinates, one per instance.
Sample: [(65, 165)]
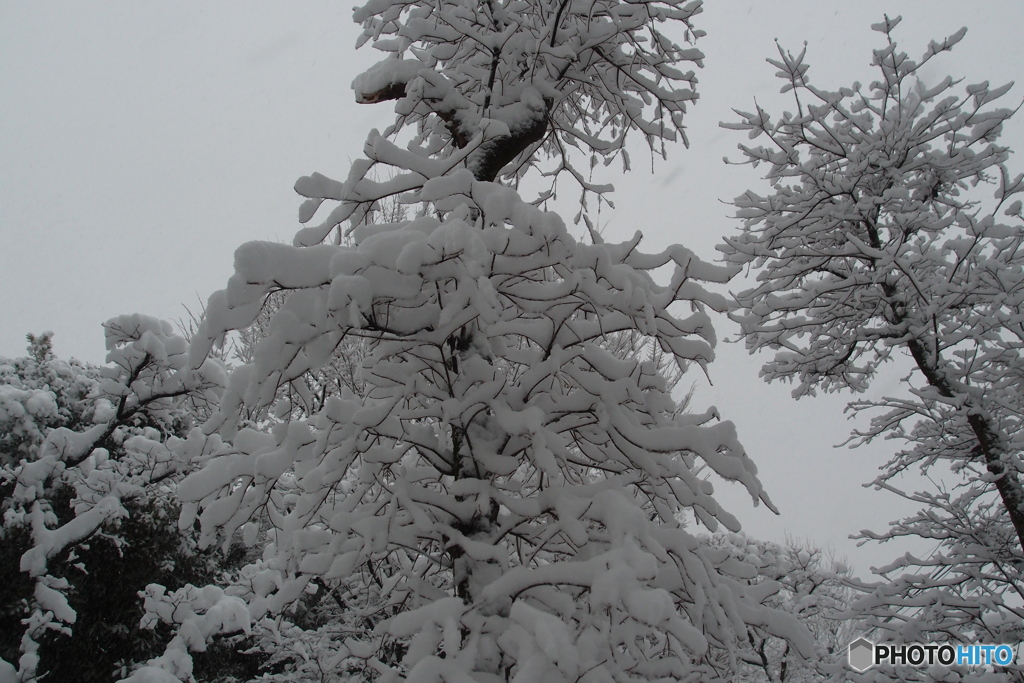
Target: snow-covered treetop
[(894, 227), (39, 393), (500, 85), (874, 231)]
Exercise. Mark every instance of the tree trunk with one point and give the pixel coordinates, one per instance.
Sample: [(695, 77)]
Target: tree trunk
[(989, 447), (494, 153)]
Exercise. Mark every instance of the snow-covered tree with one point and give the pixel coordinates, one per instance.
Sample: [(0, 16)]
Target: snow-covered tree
[(86, 464), (500, 88), (506, 498), (39, 393), (881, 240), (807, 582)]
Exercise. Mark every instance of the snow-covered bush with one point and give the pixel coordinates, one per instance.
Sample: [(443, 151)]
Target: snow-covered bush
[(38, 393), (88, 513), (891, 229), (505, 497)]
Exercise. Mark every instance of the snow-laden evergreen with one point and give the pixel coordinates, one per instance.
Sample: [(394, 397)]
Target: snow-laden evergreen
[(84, 453)]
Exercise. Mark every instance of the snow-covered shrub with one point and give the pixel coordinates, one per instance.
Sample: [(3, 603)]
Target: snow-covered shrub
[(89, 517), (38, 393)]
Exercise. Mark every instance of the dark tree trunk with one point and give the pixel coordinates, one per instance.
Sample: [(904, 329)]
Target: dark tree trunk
[(494, 154)]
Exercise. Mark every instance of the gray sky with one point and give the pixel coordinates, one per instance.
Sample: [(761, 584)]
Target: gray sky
[(141, 143)]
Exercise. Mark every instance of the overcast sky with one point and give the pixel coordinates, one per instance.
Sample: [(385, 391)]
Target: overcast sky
[(141, 143)]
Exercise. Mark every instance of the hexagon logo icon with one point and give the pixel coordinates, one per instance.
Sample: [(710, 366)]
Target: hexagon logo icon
[(862, 654)]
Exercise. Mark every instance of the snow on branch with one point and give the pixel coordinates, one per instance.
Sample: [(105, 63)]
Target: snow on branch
[(892, 229)]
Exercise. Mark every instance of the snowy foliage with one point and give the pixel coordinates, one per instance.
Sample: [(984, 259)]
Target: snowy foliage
[(497, 441), (808, 583), (502, 496), (39, 393), (84, 450), (499, 86), (880, 238)]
